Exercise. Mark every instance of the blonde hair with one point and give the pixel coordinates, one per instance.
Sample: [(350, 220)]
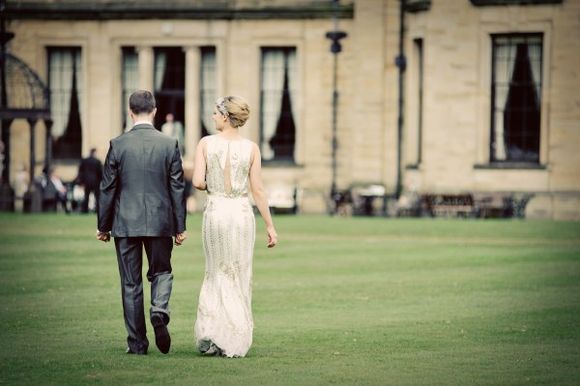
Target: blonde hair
[(235, 108)]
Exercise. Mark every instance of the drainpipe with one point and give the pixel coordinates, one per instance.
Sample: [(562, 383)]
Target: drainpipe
[(401, 63)]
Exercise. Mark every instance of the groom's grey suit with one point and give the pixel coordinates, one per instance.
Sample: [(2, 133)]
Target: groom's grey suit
[(142, 204)]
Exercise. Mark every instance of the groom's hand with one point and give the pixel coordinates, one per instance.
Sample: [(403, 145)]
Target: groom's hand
[(180, 238), (103, 236)]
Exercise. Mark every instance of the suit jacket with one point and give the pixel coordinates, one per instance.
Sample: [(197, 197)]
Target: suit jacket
[(142, 190), (90, 172)]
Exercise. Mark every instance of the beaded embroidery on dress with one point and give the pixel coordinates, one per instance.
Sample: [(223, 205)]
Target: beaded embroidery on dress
[(224, 322)]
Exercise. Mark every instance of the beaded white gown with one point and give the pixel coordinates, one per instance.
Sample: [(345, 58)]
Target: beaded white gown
[(224, 314)]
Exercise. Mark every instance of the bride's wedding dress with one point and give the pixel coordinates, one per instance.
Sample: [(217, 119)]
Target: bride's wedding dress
[(224, 322)]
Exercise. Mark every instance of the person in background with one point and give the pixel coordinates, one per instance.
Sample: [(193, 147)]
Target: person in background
[(174, 129), (89, 176), (53, 191), (20, 187)]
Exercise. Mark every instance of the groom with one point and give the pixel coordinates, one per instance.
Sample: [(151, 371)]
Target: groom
[(142, 205)]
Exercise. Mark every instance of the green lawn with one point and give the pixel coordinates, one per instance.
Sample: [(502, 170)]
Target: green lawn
[(339, 301)]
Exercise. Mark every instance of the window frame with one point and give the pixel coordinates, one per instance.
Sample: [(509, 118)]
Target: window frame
[(82, 97), (508, 25), (124, 97), (415, 97), (295, 159), (492, 139), (202, 89)]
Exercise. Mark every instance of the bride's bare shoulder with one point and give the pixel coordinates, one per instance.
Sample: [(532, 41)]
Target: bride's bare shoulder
[(250, 141), (204, 140), (252, 145)]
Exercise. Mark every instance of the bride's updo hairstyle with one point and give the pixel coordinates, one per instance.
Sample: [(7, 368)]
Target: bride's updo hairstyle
[(235, 108)]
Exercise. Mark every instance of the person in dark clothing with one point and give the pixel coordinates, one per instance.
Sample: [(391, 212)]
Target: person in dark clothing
[(89, 176)]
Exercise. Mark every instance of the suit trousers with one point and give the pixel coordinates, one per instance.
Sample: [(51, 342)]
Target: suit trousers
[(130, 259)]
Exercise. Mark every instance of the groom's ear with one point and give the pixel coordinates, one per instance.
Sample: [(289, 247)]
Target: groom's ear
[(154, 111)]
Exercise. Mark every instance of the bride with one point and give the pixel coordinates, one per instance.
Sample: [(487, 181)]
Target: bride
[(225, 164)]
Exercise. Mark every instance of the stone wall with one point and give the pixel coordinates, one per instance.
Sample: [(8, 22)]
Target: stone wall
[(456, 102), (456, 94)]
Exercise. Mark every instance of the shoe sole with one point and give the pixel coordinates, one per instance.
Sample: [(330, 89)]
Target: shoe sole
[(162, 337), (135, 353)]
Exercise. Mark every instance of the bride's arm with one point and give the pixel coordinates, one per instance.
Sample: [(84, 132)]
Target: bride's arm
[(260, 196), (199, 168)]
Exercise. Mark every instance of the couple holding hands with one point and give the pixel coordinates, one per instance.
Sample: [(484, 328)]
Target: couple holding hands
[(142, 205)]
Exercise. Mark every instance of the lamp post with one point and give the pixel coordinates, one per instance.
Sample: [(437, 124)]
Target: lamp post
[(335, 48)]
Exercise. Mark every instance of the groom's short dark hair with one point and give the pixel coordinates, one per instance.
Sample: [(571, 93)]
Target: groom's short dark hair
[(141, 101)]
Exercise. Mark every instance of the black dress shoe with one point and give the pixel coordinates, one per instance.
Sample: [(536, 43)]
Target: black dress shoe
[(129, 351), (162, 337)]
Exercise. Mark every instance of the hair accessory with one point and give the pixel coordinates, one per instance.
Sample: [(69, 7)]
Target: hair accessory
[(221, 106)]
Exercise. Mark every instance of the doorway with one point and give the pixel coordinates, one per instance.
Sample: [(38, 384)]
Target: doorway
[(169, 83)]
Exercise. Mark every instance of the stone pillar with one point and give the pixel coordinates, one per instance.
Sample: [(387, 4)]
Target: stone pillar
[(146, 67), (5, 177), (48, 143), (32, 123), (6, 191), (192, 101), (220, 53)]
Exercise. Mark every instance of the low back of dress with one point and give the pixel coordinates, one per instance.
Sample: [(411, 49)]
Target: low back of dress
[(228, 166)]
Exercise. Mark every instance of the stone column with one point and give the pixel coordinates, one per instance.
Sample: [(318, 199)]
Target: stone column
[(192, 101), (146, 67), (6, 191), (48, 143), (220, 53), (5, 129), (32, 171)]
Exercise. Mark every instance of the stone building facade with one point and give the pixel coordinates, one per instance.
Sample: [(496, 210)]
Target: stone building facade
[(276, 55)]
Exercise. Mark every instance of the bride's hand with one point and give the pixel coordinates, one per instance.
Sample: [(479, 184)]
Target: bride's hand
[(272, 237)]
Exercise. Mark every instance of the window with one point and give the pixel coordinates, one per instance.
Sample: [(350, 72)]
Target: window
[(278, 93), (129, 82), (417, 5), (208, 89), (414, 108), (516, 98), (65, 85)]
